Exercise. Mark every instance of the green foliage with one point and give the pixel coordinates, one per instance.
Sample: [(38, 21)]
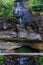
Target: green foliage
[(35, 2), (36, 5), (41, 60), (1, 58), (6, 7)]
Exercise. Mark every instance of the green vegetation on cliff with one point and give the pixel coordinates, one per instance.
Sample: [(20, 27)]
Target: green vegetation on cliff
[(6, 7)]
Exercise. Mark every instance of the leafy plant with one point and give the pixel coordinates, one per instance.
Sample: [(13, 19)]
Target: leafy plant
[(41, 60), (36, 5), (1, 58), (35, 2), (6, 7)]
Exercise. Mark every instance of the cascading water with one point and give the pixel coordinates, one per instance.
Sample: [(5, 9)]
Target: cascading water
[(24, 18)]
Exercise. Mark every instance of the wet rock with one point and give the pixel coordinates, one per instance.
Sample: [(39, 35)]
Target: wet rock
[(33, 36)]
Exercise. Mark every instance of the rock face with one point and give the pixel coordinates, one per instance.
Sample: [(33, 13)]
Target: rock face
[(25, 27), (25, 20), (39, 21), (6, 23)]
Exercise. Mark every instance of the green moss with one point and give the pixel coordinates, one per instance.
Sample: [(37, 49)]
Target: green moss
[(22, 50)]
